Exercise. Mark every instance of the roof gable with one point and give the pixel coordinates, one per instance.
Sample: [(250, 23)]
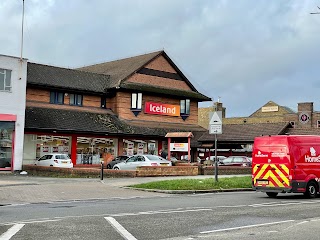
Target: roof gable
[(121, 70), (271, 108)]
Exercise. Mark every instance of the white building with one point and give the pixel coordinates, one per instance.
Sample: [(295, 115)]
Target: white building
[(13, 78)]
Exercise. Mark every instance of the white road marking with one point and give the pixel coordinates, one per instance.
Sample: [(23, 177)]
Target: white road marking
[(123, 232), (160, 212), (11, 232), (247, 226)]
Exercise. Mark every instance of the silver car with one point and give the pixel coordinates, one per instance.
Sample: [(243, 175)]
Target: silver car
[(142, 160)]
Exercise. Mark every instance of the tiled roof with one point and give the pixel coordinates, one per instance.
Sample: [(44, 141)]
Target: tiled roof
[(44, 75), (121, 69), (303, 131), (71, 121), (167, 91), (245, 132)]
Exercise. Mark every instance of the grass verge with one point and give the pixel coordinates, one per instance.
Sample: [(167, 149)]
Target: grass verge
[(198, 184)]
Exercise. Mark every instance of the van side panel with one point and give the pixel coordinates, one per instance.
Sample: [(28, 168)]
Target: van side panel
[(271, 164), (305, 151), (285, 163)]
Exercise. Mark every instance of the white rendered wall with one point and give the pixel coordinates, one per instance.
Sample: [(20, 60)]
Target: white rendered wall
[(14, 102)]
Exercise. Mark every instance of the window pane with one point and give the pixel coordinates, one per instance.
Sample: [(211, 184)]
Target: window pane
[(134, 100), (60, 98), (103, 102), (52, 97), (79, 100), (139, 101), (71, 99), (8, 78), (187, 106), (182, 107), (2, 81), (8, 88)]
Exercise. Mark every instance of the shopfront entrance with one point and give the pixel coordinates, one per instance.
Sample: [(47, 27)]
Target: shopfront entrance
[(6, 144)]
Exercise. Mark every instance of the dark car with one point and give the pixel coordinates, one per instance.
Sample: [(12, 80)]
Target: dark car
[(116, 160), (237, 161)]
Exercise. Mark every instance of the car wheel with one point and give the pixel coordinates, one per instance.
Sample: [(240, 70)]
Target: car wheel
[(109, 166), (116, 168), (272, 194), (311, 190)]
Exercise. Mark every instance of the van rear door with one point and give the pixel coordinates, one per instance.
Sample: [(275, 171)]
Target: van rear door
[(271, 167)]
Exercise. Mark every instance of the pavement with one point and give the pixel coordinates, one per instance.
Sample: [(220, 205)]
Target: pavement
[(21, 189)]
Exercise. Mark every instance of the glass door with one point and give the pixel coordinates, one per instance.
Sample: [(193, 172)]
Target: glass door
[(6, 133)]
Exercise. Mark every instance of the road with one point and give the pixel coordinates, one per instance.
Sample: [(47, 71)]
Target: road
[(238, 215)]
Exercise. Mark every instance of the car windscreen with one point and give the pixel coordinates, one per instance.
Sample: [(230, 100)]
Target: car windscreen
[(62, 156), (154, 158)]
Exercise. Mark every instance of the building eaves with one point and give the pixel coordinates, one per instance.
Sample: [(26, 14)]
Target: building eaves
[(64, 78), (72, 121), (165, 91)]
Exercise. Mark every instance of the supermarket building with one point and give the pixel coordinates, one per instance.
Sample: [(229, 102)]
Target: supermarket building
[(121, 107)]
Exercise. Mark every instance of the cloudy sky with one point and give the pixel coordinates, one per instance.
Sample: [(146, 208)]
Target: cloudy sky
[(246, 52)]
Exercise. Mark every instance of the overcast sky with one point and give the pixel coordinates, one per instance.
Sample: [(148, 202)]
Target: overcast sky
[(247, 52)]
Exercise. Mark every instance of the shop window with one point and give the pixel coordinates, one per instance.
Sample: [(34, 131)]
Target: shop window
[(292, 124), (318, 123), (57, 97), (103, 102), (6, 131), (136, 103), (184, 108), (5, 80), (76, 99)]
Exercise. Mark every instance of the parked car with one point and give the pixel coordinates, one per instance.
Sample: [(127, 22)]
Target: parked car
[(55, 160), (241, 161), (142, 160), (116, 160), (218, 157)]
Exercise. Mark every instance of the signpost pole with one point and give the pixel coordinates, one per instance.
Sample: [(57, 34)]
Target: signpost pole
[(215, 158), (215, 127)]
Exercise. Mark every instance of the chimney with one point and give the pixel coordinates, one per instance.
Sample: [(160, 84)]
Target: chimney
[(218, 107), (305, 111)]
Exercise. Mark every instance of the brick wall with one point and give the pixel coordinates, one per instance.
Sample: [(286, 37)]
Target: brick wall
[(38, 95), (124, 112), (161, 64), (109, 173)]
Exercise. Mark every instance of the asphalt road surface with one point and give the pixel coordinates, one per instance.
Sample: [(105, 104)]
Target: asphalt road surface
[(238, 215)]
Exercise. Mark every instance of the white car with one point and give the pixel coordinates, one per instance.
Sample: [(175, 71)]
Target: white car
[(55, 160), (142, 160)]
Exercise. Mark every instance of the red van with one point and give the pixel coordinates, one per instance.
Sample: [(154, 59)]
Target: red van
[(285, 163)]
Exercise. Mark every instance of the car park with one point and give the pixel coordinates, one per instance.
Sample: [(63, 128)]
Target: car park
[(54, 160), (142, 160), (236, 161), (116, 160)]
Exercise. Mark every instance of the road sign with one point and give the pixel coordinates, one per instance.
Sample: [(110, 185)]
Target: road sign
[(215, 117), (215, 123), (215, 129)]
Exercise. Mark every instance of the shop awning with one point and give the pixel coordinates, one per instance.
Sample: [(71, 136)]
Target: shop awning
[(179, 134)]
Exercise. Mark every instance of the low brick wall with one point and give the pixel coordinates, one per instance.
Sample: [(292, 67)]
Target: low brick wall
[(76, 172), (209, 170), (167, 171), (94, 172)]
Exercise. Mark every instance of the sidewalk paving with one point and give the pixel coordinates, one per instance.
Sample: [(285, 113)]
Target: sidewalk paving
[(20, 189)]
